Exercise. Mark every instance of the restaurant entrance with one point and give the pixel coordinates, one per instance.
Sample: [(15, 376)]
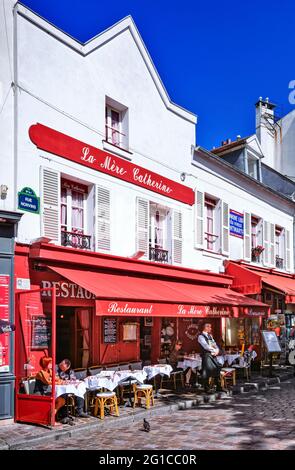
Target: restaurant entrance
[(73, 335)]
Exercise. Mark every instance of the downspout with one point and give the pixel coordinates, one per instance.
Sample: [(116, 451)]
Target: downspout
[(15, 111)]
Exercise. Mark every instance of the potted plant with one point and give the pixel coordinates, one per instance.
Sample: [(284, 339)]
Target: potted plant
[(257, 250)]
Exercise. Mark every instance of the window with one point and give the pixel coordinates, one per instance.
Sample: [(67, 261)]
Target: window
[(211, 226), (72, 213), (279, 247), (116, 124), (253, 167), (256, 239), (158, 233)]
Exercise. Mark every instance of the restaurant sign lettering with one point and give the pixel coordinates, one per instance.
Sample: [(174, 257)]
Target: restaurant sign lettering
[(104, 307), (80, 152), (66, 290)]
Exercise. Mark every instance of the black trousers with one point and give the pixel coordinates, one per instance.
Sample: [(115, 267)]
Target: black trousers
[(79, 405)]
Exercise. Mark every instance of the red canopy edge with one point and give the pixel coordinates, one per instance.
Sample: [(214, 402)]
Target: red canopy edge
[(118, 294)]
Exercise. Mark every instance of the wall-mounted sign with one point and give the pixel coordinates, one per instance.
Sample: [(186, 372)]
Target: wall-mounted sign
[(109, 330), (23, 283), (72, 149), (41, 332), (28, 201), (4, 315), (236, 224)]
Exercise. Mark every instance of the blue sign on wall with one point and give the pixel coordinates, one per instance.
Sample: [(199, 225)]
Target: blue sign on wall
[(28, 201), (236, 224)]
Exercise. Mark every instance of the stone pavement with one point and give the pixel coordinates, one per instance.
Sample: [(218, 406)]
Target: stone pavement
[(263, 420), (172, 429)]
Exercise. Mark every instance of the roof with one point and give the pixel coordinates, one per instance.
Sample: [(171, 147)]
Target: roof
[(102, 38)]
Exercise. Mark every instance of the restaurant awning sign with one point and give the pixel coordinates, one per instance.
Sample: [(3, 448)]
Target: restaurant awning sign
[(236, 224), (28, 201)]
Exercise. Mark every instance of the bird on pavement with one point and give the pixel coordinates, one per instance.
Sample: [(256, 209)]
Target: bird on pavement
[(146, 425)]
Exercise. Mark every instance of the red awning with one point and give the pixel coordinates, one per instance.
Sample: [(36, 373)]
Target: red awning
[(250, 281), (142, 292)]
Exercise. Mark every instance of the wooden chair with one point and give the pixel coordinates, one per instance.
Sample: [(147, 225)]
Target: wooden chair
[(29, 385), (175, 377), (143, 391), (135, 365), (93, 370), (227, 375), (105, 399)]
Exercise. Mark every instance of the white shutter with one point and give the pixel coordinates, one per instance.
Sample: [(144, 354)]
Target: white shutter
[(50, 204), (102, 219), (177, 237), (288, 250), (142, 226), (247, 236), (272, 260), (199, 219), (224, 233), (266, 246)]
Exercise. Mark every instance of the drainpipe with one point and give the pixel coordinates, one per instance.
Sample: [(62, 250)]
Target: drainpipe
[(15, 112)]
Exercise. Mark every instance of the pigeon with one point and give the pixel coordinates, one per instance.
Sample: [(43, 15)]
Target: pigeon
[(146, 425)]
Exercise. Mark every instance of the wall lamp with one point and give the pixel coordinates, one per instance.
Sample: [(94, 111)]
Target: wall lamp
[(3, 191), (183, 175)]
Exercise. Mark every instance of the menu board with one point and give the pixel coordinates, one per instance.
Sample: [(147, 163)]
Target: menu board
[(271, 341), (41, 332), (109, 330), (4, 315)]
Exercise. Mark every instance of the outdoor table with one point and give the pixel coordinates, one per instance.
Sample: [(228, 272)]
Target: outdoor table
[(78, 388), (162, 369), (230, 358), (194, 362)]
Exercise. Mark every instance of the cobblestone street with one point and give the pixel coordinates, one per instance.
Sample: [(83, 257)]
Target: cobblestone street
[(264, 420)]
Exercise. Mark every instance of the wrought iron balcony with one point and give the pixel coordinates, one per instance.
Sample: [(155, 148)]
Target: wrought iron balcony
[(76, 240), (279, 262), (157, 254)]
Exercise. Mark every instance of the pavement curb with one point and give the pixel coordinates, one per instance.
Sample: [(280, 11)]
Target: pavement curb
[(168, 406)]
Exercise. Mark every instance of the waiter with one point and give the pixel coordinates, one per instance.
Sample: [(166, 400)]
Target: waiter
[(210, 365)]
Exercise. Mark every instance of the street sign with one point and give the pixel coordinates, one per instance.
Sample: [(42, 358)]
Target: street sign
[(28, 201)]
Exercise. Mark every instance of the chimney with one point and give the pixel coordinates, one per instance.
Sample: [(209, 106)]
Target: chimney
[(225, 142), (265, 130)]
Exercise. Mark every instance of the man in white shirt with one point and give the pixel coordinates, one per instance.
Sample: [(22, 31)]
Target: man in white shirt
[(209, 351)]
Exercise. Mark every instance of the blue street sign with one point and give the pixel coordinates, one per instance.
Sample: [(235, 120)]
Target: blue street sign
[(28, 201), (236, 224)]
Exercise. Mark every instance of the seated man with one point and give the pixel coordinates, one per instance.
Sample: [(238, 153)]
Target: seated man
[(177, 355), (64, 371)]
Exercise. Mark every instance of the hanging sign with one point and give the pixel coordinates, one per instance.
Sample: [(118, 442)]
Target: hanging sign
[(109, 330), (72, 149), (236, 224), (28, 201)]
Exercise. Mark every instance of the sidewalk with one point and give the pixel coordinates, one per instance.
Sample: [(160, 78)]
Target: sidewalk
[(18, 435)]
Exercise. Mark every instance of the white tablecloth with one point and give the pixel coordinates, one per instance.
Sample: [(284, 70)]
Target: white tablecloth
[(193, 362), (152, 371), (110, 380), (78, 389), (230, 358)]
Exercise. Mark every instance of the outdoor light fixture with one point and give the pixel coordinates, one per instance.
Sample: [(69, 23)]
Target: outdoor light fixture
[(182, 176), (3, 191)]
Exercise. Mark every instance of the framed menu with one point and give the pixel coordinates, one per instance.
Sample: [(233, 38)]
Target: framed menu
[(271, 341), (41, 332), (110, 330)]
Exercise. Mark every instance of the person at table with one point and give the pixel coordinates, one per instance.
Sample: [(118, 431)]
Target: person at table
[(64, 372), (44, 382), (209, 351), (177, 355)]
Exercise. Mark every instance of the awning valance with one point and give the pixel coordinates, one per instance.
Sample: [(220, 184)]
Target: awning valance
[(117, 294)]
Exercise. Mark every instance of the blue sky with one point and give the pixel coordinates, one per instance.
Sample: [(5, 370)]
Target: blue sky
[(215, 57)]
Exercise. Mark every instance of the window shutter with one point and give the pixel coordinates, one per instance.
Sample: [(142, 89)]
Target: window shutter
[(177, 237), (224, 233), (266, 251), (199, 219), (288, 251), (142, 226), (102, 219), (272, 261), (50, 199), (247, 236)]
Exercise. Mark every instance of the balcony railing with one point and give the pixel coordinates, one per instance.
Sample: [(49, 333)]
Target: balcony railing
[(279, 262), (157, 254), (256, 253), (76, 240)]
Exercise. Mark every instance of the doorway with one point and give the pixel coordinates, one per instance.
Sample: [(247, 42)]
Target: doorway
[(73, 335)]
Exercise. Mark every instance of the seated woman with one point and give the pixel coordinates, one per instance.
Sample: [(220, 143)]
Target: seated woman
[(176, 355), (44, 381)]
